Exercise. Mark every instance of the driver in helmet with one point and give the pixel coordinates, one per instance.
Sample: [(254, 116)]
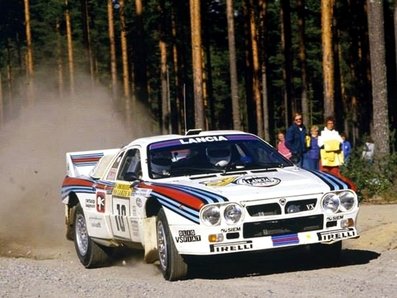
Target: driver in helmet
[(219, 155)]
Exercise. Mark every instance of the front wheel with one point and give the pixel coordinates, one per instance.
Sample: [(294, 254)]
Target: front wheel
[(91, 255), (172, 264)]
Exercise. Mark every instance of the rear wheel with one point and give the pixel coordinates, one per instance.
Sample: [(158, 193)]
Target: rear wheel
[(172, 264), (91, 254)]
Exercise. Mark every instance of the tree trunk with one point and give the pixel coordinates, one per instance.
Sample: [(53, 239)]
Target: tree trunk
[(140, 67), (393, 105), (70, 48), (380, 121), (59, 61), (233, 65), (289, 105), (263, 37), (307, 120), (124, 51), (1, 102), (179, 99), (112, 46), (197, 63), (327, 7), (29, 53), (165, 111), (164, 87), (255, 70), (10, 78), (87, 39)]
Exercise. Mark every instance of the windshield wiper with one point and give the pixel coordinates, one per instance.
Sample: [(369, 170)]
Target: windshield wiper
[(193, 171), (265, 166)]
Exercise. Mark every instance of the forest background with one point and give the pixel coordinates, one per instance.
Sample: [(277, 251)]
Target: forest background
[(217, 64)]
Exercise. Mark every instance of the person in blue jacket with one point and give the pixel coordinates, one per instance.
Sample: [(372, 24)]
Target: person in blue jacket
[(295, 139), (346, 148)]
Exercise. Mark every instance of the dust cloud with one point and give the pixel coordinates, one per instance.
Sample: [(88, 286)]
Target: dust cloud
[(32, 161)]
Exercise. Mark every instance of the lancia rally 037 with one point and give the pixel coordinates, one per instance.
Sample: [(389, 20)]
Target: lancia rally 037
[(201, 194)]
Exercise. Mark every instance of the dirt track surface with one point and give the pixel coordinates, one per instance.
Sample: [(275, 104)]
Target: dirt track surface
[(368, 268), (37, 261)]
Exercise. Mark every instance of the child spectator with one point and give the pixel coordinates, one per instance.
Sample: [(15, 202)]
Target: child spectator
[(312, 155)]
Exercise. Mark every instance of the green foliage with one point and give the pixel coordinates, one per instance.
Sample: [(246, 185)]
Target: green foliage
[(374, 179)]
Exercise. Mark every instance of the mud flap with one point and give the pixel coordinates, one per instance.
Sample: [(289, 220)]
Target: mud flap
[(150, 240)]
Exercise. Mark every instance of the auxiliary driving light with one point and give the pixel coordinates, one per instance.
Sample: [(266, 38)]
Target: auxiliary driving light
[(346, 223), (215, 238)]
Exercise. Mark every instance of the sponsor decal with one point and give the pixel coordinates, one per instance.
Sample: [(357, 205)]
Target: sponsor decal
[(258, 181), (95, 221), (90, 203), (220, 182), (336, 235), (288, 239), (134, 227), (112, 174), (139, 202), (229, 230), (143, 192), (334, 218), (310, 206), (187, 236), (122, 190), (232, 246), (100, 202), (203, 140), (96, 225)]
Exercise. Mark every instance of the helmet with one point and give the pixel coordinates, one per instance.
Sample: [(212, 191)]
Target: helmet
[(160, 163), (216, 154)]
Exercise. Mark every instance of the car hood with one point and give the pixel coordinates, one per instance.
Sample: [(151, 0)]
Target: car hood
[(245, 186)]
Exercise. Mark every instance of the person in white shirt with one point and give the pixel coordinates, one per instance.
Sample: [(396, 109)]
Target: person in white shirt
[(330, 142), (369, 150)]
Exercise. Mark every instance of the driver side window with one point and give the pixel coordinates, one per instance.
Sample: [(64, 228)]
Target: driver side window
[(130, 168)]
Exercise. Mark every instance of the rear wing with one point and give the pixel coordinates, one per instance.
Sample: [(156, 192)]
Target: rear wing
[(83, 163)]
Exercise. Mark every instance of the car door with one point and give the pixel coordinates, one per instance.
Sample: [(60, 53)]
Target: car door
[(129, 170)]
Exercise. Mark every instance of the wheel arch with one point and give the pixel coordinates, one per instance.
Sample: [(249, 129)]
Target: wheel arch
[(152, 208), (70, 211)]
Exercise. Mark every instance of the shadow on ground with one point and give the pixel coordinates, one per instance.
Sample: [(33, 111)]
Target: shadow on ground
[(271, 263)]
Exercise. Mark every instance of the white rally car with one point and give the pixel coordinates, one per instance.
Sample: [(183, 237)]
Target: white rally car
[(201, 194)]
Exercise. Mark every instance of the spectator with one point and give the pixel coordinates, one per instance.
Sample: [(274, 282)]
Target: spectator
[(295, 140), (369, 150), (331, 154), (312, 156), (281, 145), (346, 148)]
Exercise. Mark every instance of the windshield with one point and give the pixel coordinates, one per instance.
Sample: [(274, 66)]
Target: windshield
[(211, 154)]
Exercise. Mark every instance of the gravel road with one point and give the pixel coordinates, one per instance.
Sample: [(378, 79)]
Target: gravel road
[(368, 268)]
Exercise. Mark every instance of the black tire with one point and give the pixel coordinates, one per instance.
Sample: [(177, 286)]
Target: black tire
[(172, 264), (327, 253), (91, 254)]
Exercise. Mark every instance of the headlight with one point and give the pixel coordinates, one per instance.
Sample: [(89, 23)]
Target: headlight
[(232, 214), (331, 203), (211, 215), (347, 201)]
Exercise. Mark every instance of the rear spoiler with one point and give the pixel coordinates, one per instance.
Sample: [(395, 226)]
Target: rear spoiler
[(81, 163)]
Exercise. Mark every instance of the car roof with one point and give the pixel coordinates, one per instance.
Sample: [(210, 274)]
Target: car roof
[(148, 140)]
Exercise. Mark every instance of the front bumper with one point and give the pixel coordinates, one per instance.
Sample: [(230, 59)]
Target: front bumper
[(264, 234)]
